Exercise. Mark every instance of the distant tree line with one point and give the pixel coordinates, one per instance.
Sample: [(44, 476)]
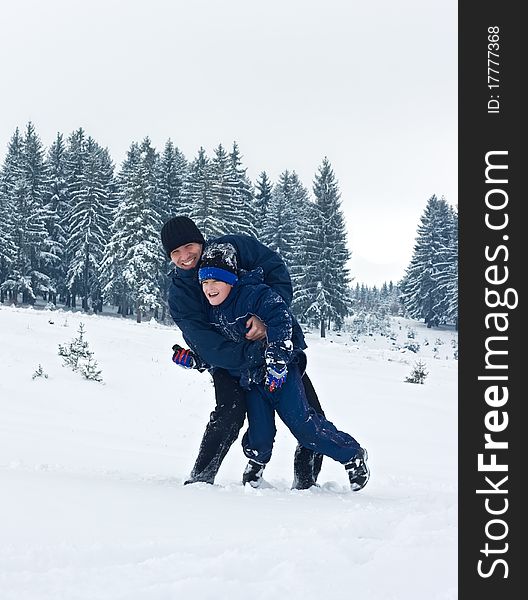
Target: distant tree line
[(77, 233), (385, 300)]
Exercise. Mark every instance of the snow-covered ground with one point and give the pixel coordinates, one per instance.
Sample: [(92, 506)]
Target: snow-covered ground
[(92, 504)]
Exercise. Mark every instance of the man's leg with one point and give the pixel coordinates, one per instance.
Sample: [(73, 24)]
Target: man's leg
[(307, 463), (223, 428)]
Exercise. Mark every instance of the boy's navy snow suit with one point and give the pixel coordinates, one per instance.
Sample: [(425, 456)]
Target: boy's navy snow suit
[(250, 296), (188, 308)]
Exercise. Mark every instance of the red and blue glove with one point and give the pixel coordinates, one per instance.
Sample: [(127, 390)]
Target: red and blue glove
[(184, 357), (275, 375), (278, 354)]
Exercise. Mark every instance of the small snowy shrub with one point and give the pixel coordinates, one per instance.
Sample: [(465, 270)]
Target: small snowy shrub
[(39, 372), (90, 371), (412, 346), (79, 357), (418, 374)]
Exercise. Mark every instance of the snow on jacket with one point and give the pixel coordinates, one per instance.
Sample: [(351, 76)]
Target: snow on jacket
[(189, 307)]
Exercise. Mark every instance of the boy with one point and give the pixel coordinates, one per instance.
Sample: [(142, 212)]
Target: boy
[(277, 387)]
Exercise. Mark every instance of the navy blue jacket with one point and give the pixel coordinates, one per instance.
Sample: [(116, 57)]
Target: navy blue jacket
[(250, 296), (188, 307)]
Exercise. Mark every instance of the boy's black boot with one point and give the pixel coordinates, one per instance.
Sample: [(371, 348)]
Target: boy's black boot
[(253, 473), (358, 471)]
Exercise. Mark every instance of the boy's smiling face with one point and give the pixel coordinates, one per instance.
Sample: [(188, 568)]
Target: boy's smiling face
[(215, 291)]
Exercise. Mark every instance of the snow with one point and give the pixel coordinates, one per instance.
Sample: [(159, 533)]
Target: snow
[(93, 506)]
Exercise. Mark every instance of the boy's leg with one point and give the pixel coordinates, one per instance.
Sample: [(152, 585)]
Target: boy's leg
[(311, 429), (307, 463), (257, 442), (223, 427)]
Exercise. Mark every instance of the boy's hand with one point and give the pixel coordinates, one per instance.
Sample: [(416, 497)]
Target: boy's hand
[(275, 375), (184, 357), (256, 330)]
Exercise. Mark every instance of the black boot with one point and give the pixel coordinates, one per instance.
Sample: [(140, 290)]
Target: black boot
[(307, 463), (306, 467), (358, 471), (193, 479), (253, 473)]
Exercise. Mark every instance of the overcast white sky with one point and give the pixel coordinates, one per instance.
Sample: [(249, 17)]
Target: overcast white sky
[(373, 86)]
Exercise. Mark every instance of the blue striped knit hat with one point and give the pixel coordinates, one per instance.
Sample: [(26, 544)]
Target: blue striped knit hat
[(219, 262)]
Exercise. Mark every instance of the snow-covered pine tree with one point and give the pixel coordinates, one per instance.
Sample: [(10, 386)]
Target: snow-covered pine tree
[(135, 233), (56, 201), (9, 176), (305, 269), (197, 196), (114, 287), (75, 160), (279, 231), (263, 194), (172, 173), (422, 296), (221, 192), (294, 229), (452, 287), (27, 274), (242, 209), (171, 176), (323, 295), (109, 184), (446, 276), (89, 222)]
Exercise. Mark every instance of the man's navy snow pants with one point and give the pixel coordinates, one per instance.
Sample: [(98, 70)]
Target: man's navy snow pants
[(311, 429)]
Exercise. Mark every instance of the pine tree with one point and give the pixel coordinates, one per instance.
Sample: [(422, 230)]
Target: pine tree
[(75, 161), (115, 289), (88, 220), (57, 207), (425, 283), (134, 247), (263, 197), (323, 295), (303, 214), (241, 219), (172, 173), (446, 276), (203, 208), (9, 176), (25, 176), (279, 232), (221, 192)]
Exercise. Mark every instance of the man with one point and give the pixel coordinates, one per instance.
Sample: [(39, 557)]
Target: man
[(183, 244)]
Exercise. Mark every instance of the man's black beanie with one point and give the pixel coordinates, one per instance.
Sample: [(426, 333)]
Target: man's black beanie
[(179, 231)]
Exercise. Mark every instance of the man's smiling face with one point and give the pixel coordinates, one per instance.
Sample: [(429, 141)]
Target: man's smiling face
[(186, 257)]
